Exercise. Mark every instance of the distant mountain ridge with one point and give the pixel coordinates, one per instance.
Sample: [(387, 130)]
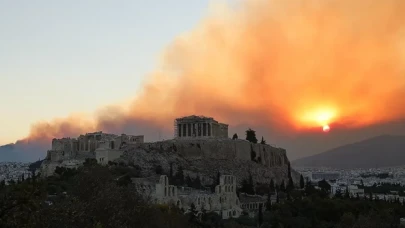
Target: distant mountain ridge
[(22, 151), (380, 151)]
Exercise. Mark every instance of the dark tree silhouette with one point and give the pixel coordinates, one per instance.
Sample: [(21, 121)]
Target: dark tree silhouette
[(338, 193), (324, 185), (251, 136), (302, 182), (193, 214), (263, 141), (282, 186), (268, 202), (272, 186), (347, 195), (290, 185), (197, 183), (260, 214), (235, 136), (179, 177), (171, 172), (159, 170), (247, 186), (188, 181)]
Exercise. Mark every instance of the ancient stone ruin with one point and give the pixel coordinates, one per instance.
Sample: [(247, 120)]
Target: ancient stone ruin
[(198, 140), (72, 152), (192, 127), (202, 148)]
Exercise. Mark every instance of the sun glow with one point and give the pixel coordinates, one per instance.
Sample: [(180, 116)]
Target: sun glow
[(326, 128), (318, 117)]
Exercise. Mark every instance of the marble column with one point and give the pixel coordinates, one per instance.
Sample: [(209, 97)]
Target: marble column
[(182, 130), (211, 131)]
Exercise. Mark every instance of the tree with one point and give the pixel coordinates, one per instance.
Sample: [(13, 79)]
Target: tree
[(347, 194), (192, 214), (197, 183), (277, 198), (247, 186), (324, 185), (235, 136), (290, 185), (159, 170), (268, 202), (263, 141), (302, 182), (260, 215), (188, 181), (94, 199), (90, 162), (282, 186), (124, 181), (272, 187), (338, 193), (171, 171), (251, 136), (347, 220), (215, 181), (179, 177), (251, 179)]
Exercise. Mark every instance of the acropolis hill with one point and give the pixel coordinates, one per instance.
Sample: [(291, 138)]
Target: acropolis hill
[(200, 145)]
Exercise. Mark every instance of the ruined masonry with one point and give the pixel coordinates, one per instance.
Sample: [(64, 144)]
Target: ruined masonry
[(200, 145), (192, 127), (72, 152), (224, 201)]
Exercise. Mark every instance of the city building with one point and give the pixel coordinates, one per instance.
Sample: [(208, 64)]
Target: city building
[(325, 175)]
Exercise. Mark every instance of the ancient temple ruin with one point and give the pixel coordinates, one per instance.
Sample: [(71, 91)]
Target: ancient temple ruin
[(199, 127)]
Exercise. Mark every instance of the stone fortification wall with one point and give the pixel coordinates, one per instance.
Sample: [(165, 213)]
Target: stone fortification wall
[(222, 149), (92, 141)]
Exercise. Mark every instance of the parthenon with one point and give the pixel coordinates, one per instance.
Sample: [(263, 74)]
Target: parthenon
[(199, 127)]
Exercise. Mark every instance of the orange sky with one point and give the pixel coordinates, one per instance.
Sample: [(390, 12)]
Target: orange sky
[(289, 64)]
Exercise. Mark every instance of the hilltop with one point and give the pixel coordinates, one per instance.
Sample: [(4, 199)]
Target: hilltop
[(22, 151), (380, 151), (202, 157)]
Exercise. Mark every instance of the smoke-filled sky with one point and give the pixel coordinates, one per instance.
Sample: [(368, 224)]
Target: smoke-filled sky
[(285, 68)]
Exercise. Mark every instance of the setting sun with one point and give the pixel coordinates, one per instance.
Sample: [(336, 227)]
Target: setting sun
[(320, 117)]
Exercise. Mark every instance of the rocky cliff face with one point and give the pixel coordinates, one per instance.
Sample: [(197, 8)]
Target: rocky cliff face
[(199, 157), (206, 157)]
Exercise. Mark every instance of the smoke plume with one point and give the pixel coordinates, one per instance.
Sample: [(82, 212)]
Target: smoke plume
[(288, 65)]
